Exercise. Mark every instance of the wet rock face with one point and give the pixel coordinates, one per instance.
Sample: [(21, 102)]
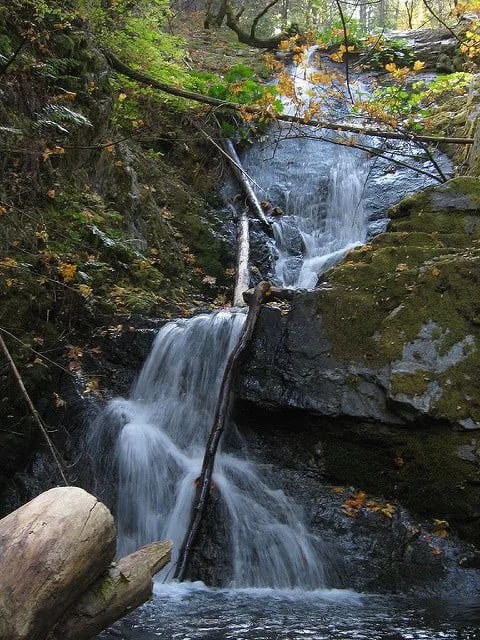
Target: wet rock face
[(392, 342), (435, 47), (366, 542)]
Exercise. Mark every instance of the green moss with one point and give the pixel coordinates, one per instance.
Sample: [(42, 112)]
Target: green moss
[(384, 294), (411, 384), (422, 469)]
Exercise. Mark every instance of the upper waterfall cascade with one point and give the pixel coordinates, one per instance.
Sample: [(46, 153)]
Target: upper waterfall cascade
[(333, 196)]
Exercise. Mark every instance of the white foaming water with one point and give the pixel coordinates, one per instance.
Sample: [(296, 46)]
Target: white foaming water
[(157, 439), (318, 185)]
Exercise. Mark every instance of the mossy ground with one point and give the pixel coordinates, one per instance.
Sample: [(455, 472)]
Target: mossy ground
[(108, 203)]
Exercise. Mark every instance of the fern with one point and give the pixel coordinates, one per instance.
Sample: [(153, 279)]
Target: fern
[(58, 117)]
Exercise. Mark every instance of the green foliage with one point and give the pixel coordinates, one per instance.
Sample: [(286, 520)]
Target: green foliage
[(445, 86), (381, 51), (334, 33)]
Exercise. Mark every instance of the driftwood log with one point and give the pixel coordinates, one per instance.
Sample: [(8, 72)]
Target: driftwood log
[(56, 552), (261, 292)]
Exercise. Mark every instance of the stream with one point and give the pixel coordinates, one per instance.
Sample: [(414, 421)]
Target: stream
[(276, 579)]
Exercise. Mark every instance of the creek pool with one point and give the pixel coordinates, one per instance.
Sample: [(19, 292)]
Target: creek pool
[(195, 612)]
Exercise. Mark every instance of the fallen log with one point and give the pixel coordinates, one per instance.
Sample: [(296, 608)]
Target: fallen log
[(221, 414), (56, 581), (245, 183), (126, 585), (242, 279), (53, 548), (124, 69)]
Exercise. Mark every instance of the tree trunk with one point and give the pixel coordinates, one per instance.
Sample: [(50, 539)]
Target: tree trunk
[(53, 548), (245, 183), (261, 291), (56, 582)]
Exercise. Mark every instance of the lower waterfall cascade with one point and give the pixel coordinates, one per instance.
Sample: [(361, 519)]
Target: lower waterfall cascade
[(158, 437)]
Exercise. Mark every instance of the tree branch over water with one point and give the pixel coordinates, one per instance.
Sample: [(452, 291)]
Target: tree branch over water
[(138, 76)]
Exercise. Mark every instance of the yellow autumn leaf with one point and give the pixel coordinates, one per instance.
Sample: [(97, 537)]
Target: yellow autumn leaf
[(51, 193), (3, 210), (85, 290), (109, 146), (8, 262), (402, 267), (418, 66), (435, 272), (122, 97), (390, 67), (67, 271), (388, 510)]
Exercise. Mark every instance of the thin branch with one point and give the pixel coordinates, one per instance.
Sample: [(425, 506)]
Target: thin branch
[(33, 411), (345, 40), (12, 58), (371, 150), (37, 353), (444, 24), (221, 414), (258, 17), (229, 157)]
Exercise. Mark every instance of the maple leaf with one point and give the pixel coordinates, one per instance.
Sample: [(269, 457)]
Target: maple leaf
[(3, 210), (75, 352), (388, 510), (435, 272), (417, 65), (441, 527)]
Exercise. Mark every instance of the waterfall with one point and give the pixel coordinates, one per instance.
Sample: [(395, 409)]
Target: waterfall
[(155, 442), (318, 185)]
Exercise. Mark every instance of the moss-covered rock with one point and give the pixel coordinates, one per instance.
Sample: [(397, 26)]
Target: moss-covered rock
[(393, 340)]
